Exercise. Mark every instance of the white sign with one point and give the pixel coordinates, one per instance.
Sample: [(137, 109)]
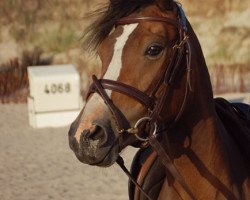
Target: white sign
[(54, 98)]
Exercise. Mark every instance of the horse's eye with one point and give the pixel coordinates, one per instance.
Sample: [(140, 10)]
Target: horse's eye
[(154, 50)]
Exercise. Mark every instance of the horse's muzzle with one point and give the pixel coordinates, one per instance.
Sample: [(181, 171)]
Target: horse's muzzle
[(97, 147)]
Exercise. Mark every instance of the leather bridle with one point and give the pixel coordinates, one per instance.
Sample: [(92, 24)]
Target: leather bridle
[(180, 49), (150, 102)]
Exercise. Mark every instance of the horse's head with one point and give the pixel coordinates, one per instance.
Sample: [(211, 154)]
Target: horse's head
[(138, 53)]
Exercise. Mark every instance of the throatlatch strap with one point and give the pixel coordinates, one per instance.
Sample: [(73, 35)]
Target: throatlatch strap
[(166, 161)]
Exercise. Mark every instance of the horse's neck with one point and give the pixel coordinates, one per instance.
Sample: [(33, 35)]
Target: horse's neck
[(200, 148), (199, 145), (195, 142), (203, 136)]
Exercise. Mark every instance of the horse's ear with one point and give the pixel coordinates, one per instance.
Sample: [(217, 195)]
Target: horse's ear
[(165, 4)]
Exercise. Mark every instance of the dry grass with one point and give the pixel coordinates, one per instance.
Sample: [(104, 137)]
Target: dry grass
[(230, 78), (56, 26), (13, 76), (211, 8)]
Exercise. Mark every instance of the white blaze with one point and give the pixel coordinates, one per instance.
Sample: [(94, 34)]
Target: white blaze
[(115, 65), (96, 106)]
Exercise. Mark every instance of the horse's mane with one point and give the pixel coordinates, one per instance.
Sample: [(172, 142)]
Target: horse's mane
[(106, 19)]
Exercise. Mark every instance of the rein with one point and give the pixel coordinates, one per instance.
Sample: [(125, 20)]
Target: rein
[(153, 105)]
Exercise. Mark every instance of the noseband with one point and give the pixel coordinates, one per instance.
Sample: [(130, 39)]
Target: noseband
[(154, 106)]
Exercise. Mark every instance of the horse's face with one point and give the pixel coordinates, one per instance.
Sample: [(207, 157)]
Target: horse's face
[(132, 54)]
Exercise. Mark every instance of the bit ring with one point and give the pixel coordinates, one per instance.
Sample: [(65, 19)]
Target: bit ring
[(138, 123)]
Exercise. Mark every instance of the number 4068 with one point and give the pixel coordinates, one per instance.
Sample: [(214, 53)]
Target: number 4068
[(57, 88)]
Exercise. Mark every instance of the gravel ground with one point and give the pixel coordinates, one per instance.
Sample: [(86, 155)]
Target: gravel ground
[(38, 164)]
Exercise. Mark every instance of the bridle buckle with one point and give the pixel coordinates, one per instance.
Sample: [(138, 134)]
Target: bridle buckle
[(183, 41)]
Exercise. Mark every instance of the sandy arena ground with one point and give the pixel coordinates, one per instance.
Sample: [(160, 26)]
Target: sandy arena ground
[(37, 164)]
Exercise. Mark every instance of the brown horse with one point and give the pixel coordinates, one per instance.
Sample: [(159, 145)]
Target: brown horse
[(154, 79)]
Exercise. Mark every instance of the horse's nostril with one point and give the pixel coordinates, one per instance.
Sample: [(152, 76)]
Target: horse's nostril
[(86, 134), (98, 134)]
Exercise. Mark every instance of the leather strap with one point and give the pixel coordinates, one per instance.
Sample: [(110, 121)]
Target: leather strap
[(179, 50), (120, 162), (128, 90), (166, 161), (121, 121)]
